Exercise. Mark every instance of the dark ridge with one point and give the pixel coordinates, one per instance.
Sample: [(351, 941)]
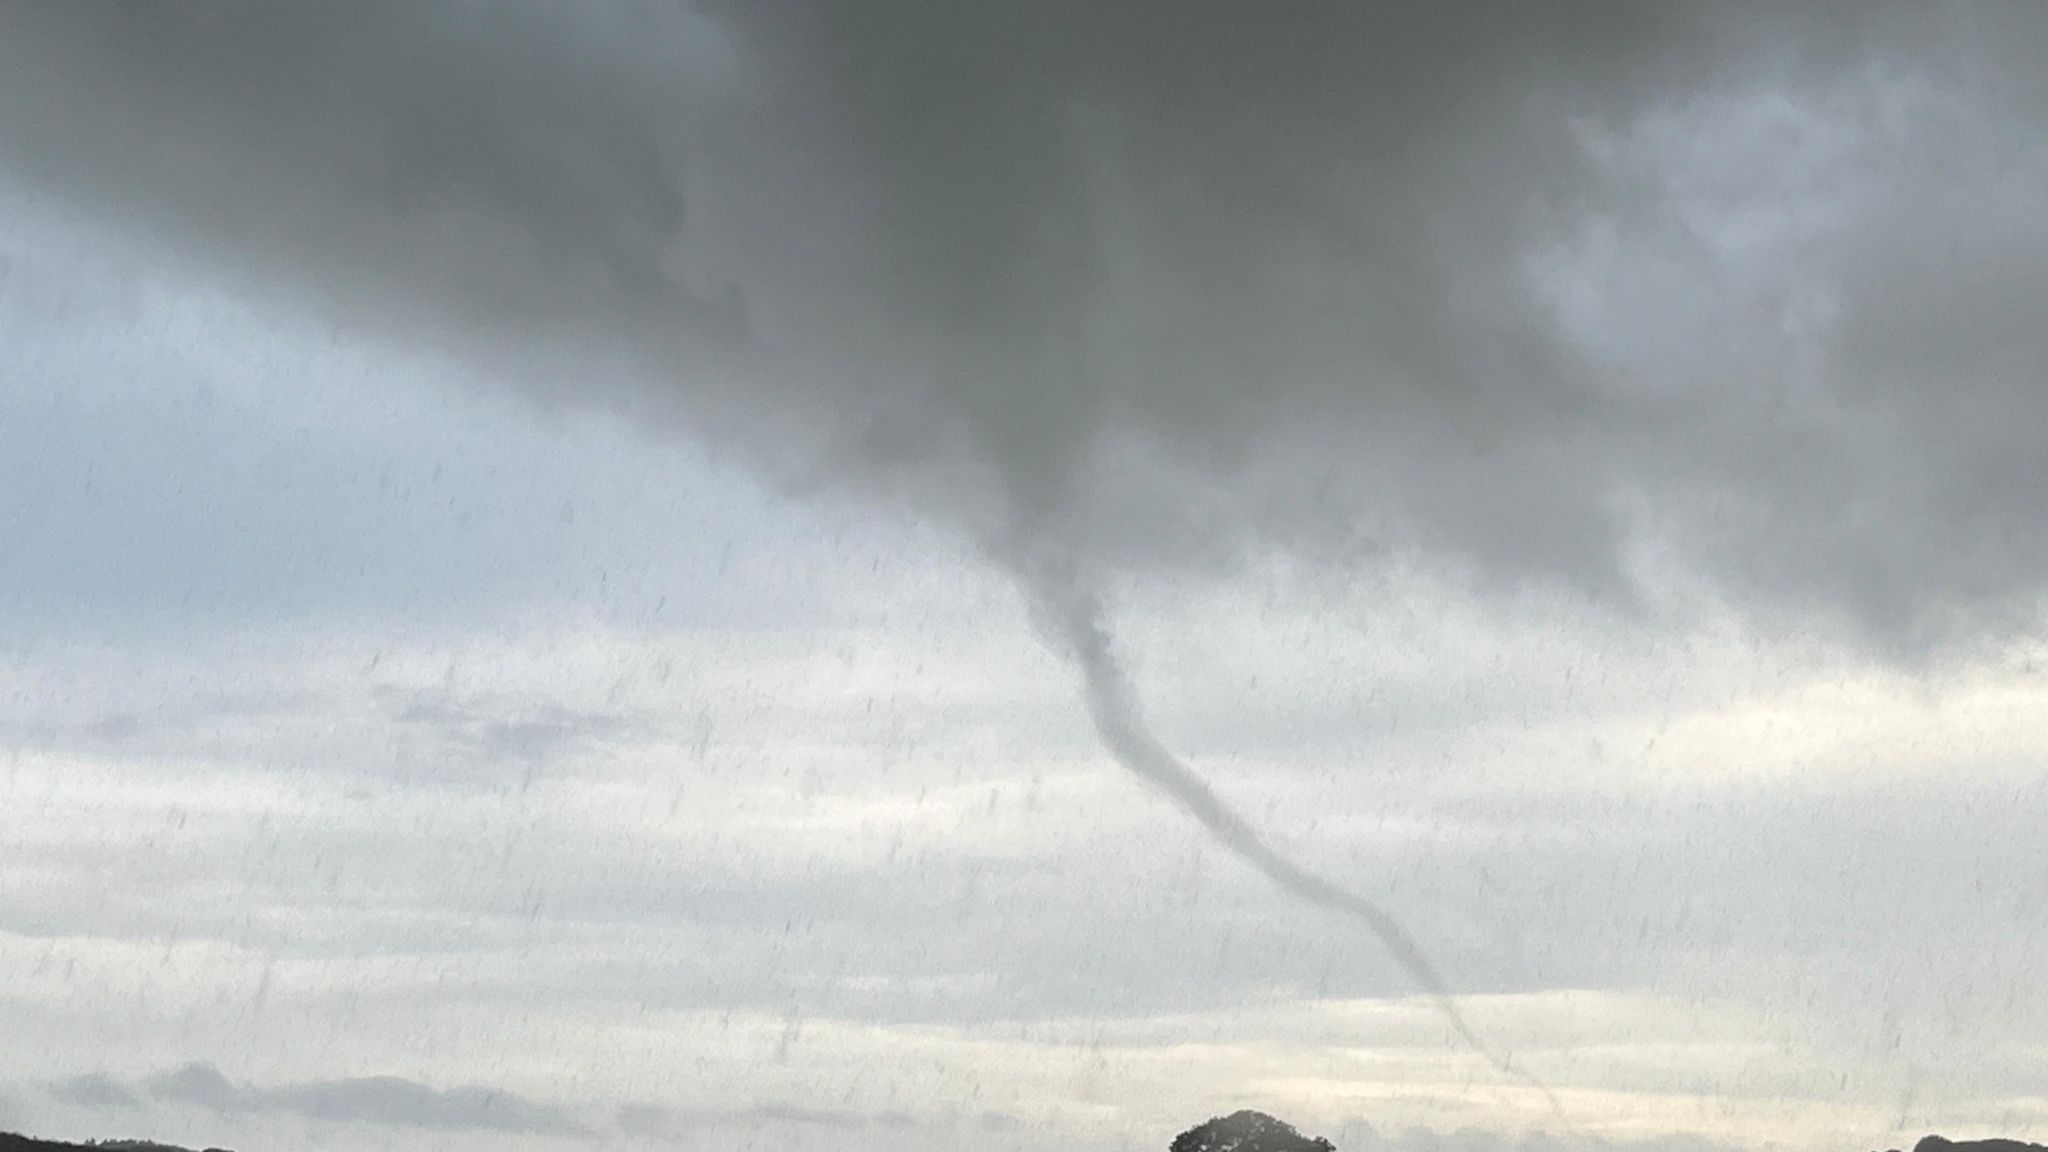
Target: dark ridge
[(1944, 1144), (15, 1142)]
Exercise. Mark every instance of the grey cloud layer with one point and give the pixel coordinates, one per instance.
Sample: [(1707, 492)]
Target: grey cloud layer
[(1537, 292), (673, 1124), (397, 1102), (390, 1101), (860, 882), (94, 1090)]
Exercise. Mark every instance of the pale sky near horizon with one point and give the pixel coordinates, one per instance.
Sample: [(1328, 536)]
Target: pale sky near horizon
[(526, 537)]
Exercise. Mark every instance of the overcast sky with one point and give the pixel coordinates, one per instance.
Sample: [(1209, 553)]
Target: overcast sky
[(661, 575)]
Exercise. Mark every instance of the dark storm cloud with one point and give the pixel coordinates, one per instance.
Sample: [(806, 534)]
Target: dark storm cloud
[(389, 1101), (1149, 282), (384, 157)]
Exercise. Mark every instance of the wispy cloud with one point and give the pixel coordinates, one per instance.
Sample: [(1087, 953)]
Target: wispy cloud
[(94, 1090), (387, 1101), (672, 1123)]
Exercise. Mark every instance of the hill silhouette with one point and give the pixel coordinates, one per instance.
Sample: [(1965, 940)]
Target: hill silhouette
[(1248, 1131), (1933, 1143)]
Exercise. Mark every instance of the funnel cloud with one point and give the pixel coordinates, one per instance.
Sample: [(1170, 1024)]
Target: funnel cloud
[(1073, 617)]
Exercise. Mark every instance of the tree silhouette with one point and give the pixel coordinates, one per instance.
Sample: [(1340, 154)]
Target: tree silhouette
[(1248, 1132)]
